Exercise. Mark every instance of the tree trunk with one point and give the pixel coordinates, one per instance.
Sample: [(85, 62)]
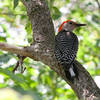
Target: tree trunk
[(42, 49)]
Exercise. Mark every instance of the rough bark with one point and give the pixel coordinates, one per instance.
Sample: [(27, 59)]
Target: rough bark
[(42, 49)]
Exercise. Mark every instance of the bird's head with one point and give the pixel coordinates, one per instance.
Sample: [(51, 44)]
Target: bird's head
[(69, 25)]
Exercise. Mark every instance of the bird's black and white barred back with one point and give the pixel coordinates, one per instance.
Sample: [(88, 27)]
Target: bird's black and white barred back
[(66, 47)]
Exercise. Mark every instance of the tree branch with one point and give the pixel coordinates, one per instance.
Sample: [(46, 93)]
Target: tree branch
[(42, 49), (14, 49), (43, 30)]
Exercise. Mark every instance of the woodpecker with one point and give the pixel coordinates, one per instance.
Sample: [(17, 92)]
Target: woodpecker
[(66, 47)]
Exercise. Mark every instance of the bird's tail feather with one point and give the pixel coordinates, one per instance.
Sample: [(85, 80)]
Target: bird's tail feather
[(71, 71)]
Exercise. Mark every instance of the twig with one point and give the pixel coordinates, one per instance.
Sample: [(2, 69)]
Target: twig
[(20, 63), (15, 68)]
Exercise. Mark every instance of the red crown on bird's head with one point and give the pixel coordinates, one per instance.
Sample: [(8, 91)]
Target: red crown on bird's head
[(60, 27)]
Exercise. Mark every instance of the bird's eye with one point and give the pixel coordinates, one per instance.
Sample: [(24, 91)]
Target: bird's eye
[(70, 23)]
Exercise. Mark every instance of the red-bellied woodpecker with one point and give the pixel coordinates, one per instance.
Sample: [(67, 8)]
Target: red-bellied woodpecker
[(66, 47)]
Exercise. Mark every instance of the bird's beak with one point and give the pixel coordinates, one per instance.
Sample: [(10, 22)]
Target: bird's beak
[(78, 25)]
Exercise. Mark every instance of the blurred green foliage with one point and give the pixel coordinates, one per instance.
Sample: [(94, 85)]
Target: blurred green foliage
[(39, 82)]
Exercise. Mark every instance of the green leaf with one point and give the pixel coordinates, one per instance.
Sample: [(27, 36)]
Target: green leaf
[(56, 13), (5, 58), (15, 3), (2, 39), (18, 79), (26, 0), (67, 1), (29, 32), (3, 27), (97, 72), (28, 28), (96, 18)]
